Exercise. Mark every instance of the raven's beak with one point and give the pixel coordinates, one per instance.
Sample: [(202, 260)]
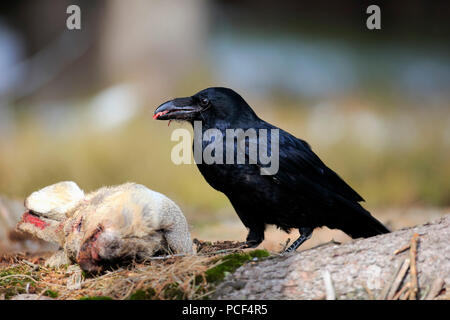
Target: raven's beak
[(179, 108)]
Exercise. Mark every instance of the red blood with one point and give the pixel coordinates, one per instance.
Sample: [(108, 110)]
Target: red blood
[(60, 226), (27, 217), (160, 114), (94, 254), (88, 258)]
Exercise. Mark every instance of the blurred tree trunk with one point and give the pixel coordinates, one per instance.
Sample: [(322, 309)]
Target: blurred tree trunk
[(360, 269)]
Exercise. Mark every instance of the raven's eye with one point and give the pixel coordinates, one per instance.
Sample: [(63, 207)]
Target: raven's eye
[(204, 102)]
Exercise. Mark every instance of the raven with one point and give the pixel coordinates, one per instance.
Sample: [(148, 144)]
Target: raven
[(303, 194)]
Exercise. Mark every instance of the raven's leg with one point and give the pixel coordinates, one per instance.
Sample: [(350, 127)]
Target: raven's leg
[(305, 234), (256, 229), (254, 237)]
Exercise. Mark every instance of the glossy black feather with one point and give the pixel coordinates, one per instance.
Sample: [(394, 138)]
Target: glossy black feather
[(303, 193)]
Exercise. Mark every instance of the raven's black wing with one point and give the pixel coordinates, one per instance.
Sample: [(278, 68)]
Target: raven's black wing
[(302, 172), (300, 167), (296, 157)]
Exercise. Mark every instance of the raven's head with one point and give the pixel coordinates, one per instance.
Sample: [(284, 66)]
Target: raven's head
[(210, 104)]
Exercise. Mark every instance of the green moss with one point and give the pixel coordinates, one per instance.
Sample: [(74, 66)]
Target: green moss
[(231, 262), (11, 272), (259, 254), (172, 291), (51, 294), (12, 281), (147, 294), (96, 298)]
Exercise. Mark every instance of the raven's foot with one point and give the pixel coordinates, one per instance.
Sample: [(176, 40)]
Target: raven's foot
[(252, 243), (305, 234), (254, 238)]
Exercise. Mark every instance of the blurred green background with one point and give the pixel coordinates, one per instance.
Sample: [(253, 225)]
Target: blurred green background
[(374, 105)]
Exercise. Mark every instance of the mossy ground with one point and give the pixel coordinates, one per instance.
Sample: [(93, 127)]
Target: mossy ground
[(174, 278), (205, 282), (147, 294), (16, 280), (51, 293), (231, 262)]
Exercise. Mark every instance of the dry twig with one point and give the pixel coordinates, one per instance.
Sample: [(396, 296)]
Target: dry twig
[(413, 255), (398, 279), (330, 294), (405, 295), (384, 293), (402, 249), (285, 246), (369, 292), (402, 291), (435, 289)]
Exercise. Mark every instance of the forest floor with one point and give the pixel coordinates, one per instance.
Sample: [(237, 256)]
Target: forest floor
[(25, 276)]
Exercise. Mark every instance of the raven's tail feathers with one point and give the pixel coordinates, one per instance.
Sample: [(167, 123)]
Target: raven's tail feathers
[(360, 223), (366, 227)]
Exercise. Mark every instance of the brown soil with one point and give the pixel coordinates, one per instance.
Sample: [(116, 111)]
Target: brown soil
[(13, 258), (212, 248)]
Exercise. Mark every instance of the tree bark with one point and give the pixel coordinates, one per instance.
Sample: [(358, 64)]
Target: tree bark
[(360, 269)]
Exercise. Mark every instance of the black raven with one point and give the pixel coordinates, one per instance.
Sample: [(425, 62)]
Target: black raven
[(304, 193)]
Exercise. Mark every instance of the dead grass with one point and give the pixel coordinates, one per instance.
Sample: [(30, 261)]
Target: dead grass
[(175, 277)]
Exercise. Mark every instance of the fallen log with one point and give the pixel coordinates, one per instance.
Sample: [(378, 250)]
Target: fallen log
[(374, 268)]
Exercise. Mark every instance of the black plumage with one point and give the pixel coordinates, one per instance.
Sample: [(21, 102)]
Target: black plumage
[(304, 193)]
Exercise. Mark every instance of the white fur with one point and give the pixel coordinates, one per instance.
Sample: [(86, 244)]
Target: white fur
[(55, 200), (135, 221)]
